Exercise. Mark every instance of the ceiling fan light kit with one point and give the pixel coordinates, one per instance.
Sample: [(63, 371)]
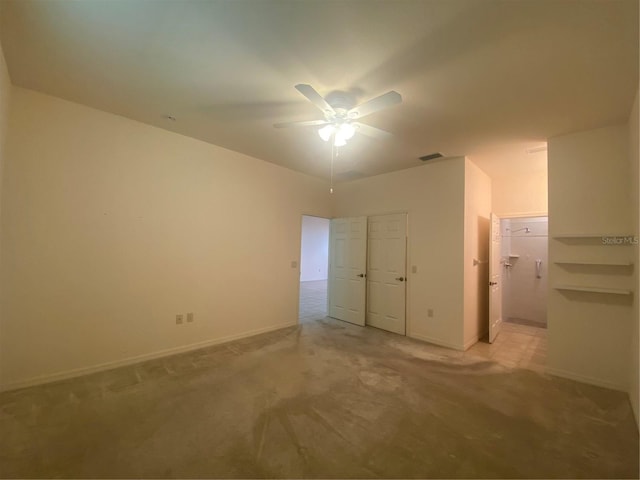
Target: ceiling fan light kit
[(340, 133)]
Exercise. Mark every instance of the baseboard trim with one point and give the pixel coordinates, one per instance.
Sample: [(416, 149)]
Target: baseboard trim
[(436, 341), (77, 372), (585, 379), (471, 342)]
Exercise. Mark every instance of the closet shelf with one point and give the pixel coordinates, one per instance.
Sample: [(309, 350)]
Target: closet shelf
[(604, 264), (578, 288)]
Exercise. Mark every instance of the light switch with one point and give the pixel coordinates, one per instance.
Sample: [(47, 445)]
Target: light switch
[(294, 264), (414, 269)]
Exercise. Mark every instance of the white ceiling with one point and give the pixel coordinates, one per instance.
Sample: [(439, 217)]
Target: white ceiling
[(473, 73)]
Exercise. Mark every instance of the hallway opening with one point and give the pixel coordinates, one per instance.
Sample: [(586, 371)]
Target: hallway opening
[(314, 267)]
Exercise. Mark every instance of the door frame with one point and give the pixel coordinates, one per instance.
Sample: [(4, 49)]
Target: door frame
[(407, 293), (519, 216)]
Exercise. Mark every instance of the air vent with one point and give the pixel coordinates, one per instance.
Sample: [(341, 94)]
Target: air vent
[(431, 156), (349, 175)]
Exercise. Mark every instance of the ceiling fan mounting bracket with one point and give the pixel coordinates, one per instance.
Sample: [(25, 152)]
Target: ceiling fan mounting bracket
[(341, 101)]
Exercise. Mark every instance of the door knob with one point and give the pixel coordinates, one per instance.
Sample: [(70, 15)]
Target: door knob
[(362, 275), (401, 279), (491, 284)]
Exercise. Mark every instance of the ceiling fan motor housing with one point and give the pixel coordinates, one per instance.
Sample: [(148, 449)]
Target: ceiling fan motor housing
[(341, 102)]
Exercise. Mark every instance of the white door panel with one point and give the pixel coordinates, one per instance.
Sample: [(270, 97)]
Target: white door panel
[(495, 279), (347, 267), (386, 272)]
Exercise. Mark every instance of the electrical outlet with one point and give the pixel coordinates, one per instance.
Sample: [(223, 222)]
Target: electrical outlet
[(190, 317), (179, 319), (430, 312)]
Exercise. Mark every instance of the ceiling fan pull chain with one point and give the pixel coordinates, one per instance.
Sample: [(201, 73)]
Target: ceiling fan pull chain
[(331, 171)]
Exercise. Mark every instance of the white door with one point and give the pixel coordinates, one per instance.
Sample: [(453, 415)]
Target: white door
[(387, 272), (347, 269), (495, 280)]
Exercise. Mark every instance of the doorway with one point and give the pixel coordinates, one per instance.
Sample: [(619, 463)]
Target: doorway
[(314, 267), (517, 283), (524, 259)]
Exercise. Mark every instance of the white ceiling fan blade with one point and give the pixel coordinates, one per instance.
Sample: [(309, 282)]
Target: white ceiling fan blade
[(308, 123), (315, 98), (370, 131), (383, 101)]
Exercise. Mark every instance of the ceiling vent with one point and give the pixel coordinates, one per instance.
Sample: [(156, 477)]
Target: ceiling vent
[(350, 175), (431, 156)]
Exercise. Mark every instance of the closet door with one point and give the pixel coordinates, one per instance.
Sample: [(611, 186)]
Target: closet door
[(347, 269), (387, 272)]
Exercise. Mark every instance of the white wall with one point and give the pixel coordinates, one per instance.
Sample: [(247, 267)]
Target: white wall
[(589, 192), (634, 382), (477, 210), (111, 227), (433, 197), (314, 258)]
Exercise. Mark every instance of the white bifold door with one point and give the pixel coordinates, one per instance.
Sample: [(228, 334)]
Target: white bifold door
[(386, 272), (347, 269), (367, 271)]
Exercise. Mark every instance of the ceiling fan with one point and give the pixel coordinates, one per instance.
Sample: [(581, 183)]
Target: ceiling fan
[(341, 116)]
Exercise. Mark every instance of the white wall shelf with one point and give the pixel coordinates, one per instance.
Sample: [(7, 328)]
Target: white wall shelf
[(513, 255), (597, 264), (579, 288), (590, 235)]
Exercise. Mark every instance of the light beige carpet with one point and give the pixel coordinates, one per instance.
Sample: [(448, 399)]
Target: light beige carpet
[(326, 399)]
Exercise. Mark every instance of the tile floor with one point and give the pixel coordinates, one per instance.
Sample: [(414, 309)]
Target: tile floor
[(517, 345)]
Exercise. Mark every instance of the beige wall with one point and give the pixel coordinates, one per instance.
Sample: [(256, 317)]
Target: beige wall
[(589, 193), (5, 100), (477, 210), (518, 175), (634, 382), (5, 97), (520, 194), (111, 227), (433, 197)]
